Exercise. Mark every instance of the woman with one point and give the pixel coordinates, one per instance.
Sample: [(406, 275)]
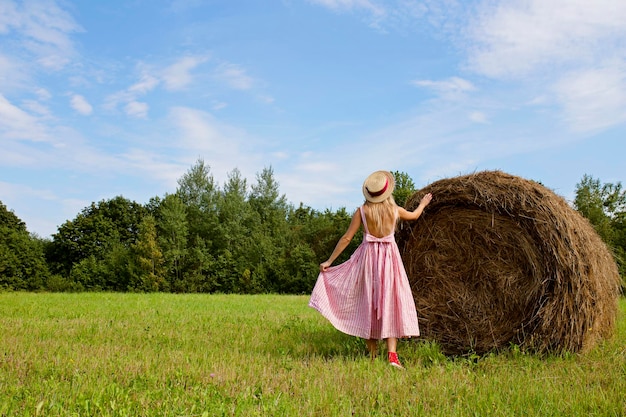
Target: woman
[(369, 295)]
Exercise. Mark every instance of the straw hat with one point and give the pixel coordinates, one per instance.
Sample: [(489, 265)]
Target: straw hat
[(378, 186)]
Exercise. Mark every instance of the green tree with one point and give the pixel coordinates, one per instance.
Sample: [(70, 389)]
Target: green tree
[(605, 207), (149, 271), (405, 187), (22, 261), (314, 235), (268, 203), (236, 221), (10, 220), (301, 261), (590, 200), (270, 231), (172, 234), (198, 192), (103, 233)]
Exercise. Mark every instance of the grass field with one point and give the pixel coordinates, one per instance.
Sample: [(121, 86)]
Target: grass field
[(102, 354)]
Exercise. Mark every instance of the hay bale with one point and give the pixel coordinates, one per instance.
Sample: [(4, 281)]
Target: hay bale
[(499, 260)]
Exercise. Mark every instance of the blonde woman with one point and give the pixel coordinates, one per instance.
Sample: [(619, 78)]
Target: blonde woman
[(369, 295)]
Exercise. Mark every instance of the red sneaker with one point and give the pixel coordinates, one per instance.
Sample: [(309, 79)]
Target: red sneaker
[(393, 360)]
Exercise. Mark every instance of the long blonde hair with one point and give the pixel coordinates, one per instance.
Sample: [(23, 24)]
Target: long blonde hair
[(379, 212)]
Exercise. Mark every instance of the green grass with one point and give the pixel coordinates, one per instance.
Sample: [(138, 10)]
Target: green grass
[(107, 354)]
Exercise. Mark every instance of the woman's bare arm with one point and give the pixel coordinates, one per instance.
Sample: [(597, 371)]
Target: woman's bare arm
[(344, 241), (415, 214)]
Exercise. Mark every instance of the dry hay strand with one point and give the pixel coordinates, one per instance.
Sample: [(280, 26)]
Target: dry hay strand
[(498, 260)]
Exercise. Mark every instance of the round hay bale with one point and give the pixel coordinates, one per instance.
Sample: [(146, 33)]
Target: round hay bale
[(499, 260)]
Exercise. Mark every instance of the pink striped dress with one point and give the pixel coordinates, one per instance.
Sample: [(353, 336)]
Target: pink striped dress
[(369, 295)]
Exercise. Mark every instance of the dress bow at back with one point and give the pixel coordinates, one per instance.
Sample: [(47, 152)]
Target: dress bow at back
[(374, 239)]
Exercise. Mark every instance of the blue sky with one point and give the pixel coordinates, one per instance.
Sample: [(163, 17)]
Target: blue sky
[(107, 98)]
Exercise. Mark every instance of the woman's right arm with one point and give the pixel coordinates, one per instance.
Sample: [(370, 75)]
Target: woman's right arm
[(344, 241), (415, 214)]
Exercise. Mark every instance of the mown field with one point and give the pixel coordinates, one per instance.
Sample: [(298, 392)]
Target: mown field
[(104, 354)]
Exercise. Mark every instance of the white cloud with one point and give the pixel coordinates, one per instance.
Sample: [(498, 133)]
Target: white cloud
[(313, 177), (199, 129), (177, 75), (198, 133), (173, 77), (478, 117), (129, 96), (43, 94), (15, 123), (54, 147), (12, 190), (8, 16), (375, 13), (113, 100), (25, 202), (234, 76), (451, 88), (513, 38), (349, 5), (594, 98), (153, 166), (11, 73), (201, 133), (568, 53), (43, 29), (315, 167), (218, 105), (146, 83), (136, 109), (81, 105), (38, 108), (266, 99), (402, 15)]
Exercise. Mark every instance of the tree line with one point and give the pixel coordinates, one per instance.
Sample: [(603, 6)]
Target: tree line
[(238, 238)]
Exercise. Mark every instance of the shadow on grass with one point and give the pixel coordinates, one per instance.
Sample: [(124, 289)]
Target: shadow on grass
[(304, 339)]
